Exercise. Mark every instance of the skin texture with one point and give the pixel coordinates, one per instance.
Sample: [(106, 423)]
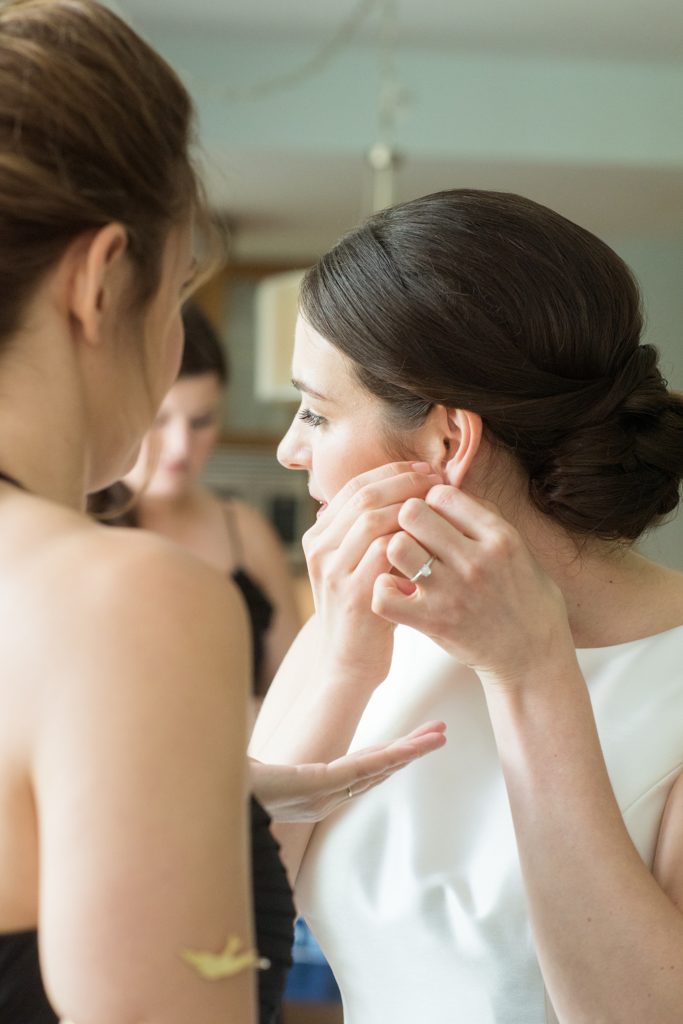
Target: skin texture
[(609, 934), (133, 777)]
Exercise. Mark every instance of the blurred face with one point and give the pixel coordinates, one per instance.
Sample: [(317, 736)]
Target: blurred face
[(339, 429), (175, 449)]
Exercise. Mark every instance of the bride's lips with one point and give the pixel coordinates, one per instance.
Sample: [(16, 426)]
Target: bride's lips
[(323, 504)]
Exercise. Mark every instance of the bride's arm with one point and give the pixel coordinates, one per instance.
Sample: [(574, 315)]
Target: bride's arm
[(343, 653), (311, 710), (608, 934), (301, 791), (297, 725)]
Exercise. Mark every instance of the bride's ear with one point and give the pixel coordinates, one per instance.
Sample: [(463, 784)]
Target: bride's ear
[(462, 438)]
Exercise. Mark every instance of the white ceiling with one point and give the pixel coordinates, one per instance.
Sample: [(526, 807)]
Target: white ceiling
[(630, 29), (290, 203)]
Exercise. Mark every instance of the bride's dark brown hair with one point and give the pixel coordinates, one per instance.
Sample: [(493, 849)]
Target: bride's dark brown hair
[(490, 302)]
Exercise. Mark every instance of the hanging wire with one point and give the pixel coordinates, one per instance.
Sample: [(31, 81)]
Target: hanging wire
[(390, 93), (382, 156), (315, 64)]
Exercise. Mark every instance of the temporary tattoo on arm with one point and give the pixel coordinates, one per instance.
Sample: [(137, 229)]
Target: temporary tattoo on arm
[(233, 959)]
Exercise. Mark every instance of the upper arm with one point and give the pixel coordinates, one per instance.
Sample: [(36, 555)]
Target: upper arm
[(265, 558), (668, 866), (139, 775)]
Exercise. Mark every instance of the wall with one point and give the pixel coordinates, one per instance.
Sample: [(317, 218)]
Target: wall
[(658, 264)]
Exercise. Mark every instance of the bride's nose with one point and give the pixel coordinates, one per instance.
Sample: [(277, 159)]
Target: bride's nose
[(293, 452)]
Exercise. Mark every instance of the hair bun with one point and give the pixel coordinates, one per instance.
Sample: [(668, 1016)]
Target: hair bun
[(618, 475)]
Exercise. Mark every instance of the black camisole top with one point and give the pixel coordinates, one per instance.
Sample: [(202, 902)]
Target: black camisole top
[(259, 605)]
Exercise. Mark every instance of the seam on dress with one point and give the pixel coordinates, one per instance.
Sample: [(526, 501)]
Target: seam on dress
[(674, 771)]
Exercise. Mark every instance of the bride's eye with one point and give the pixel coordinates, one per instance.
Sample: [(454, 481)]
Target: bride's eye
[(311, 418)]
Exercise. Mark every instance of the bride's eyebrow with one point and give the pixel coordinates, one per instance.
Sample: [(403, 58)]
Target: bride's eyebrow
[(300, 385)]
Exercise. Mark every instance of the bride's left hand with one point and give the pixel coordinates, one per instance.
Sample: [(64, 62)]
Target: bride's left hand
[(486, 601), (309, 792)]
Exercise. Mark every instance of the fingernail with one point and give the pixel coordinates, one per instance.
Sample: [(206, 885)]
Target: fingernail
[(422, 467)]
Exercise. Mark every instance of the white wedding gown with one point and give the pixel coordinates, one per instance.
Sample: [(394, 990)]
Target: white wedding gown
[(414, 889)]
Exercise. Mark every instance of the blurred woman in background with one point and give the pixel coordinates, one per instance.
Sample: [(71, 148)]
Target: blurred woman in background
[(232, 536)]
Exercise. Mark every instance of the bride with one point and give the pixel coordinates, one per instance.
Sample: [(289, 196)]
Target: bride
[(487, 436)]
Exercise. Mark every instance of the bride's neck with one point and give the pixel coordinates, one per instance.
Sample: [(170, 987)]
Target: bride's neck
[(612, 593)]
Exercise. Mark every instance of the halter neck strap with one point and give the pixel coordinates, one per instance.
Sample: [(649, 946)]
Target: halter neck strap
[(11, 480)]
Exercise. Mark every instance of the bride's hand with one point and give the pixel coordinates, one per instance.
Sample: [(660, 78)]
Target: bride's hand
[(346, 549), (486, 600), (308, 792)]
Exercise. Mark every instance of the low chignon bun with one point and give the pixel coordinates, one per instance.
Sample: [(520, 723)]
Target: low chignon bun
[(619, 473)]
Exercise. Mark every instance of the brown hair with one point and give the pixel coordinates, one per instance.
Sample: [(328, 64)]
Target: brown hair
[(116, 505), (490, 302), (203, 351), (94, 128)]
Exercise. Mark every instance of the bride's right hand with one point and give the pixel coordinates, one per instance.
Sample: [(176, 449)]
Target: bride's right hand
[(346, 550)]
